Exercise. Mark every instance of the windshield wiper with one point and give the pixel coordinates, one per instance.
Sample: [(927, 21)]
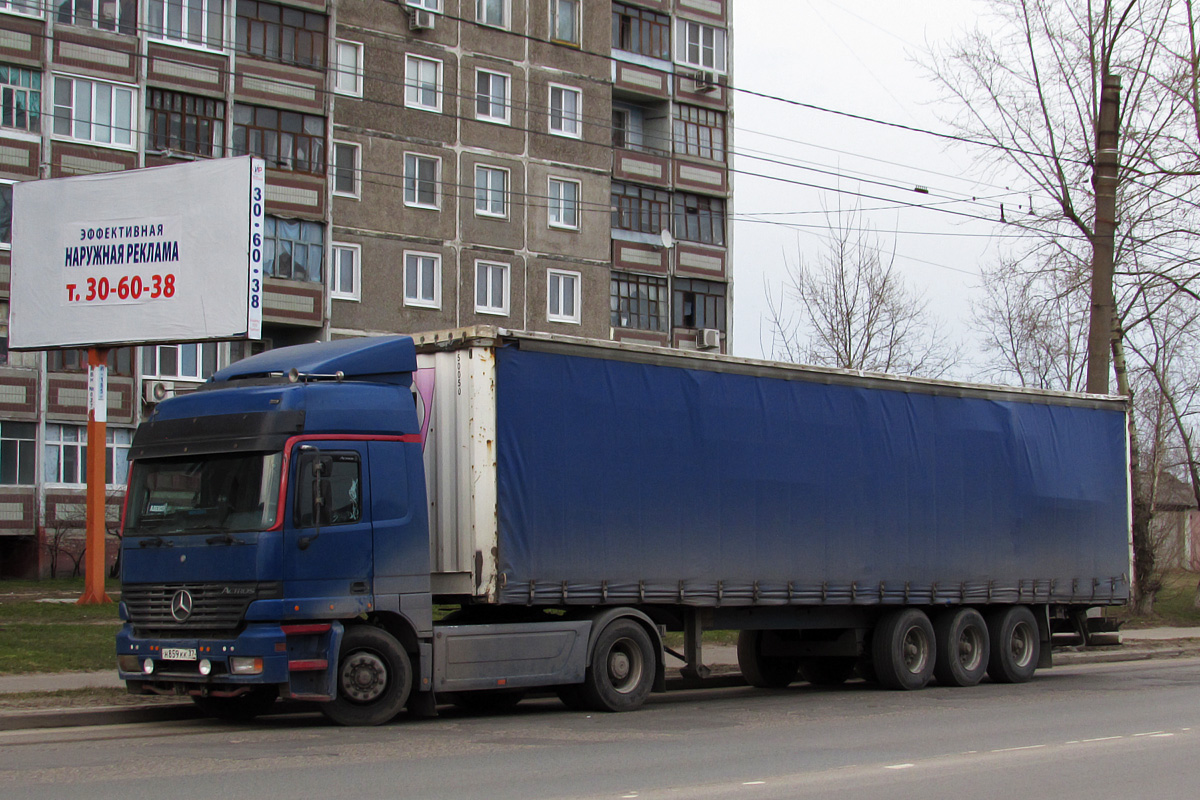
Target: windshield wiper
[(223, 538), (155, 540)]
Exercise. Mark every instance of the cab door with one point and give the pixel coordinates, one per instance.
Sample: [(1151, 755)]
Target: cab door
[(328, 547)]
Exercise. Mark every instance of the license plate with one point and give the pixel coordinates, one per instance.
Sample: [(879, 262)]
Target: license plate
[(179, 654)]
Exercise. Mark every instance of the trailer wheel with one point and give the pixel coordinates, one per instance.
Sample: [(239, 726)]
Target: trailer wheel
[(373, 680), (242, 708), (832, 671), (1015, 645), (961, 638), (903, 649), (621, 672), (763, 671)]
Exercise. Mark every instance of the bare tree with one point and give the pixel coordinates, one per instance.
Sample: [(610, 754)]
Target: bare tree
[(849, 307), (1027, 83)]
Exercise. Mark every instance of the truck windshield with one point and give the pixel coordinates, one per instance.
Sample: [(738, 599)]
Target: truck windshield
[(199, 494)]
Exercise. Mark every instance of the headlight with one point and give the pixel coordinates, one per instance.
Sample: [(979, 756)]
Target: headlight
[(240, 665)]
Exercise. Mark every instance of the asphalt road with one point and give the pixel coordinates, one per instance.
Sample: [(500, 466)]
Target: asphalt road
[(1087, 731)]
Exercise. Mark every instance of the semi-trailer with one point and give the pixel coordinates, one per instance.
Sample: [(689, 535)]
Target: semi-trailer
[(376, 524)]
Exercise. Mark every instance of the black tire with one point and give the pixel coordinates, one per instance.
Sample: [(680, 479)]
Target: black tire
[(621, 672), (242, 708), (763, 671), (1016, 645), (903, 649), (832, 671), (374, 677), (963, 648), (489, 701)]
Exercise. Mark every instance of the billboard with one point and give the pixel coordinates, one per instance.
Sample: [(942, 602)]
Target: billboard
[(166, 254)]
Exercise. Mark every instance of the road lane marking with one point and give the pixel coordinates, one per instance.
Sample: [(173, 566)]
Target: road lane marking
[(754, 783), (1102, 739), (900, 766), (1015, 749), (1149, 733)]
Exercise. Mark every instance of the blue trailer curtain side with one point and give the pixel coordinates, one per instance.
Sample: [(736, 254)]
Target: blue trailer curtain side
[(627, 480)]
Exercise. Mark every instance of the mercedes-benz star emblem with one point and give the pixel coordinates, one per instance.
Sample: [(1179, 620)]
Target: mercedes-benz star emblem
[(181, 605)]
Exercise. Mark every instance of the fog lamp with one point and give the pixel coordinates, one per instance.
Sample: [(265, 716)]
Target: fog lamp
[(148, 666), (205, 666)]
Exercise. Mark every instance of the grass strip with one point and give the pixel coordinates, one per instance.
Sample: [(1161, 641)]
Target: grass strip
[(34, 647)]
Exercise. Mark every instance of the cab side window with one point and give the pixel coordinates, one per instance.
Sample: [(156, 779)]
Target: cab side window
[(335, 480)]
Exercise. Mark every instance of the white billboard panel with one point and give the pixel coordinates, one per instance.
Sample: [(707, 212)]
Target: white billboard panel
[(165, 254)]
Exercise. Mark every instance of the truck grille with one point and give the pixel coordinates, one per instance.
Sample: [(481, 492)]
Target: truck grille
[(214, 606)]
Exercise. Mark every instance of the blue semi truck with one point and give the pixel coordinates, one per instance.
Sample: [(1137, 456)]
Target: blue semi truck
[(383, 524)]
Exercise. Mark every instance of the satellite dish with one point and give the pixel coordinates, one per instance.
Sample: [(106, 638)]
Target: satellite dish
[(668, 241)]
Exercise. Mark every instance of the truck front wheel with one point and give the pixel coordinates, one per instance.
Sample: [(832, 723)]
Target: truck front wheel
[(903, 649), (621, 671), (374, 677), (764, 671), (1015, 645)]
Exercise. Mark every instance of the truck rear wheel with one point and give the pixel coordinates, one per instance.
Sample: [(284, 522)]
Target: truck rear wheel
[(242, 708), (961, 637), (903, 649), (1015, 645), (764, 671), (374, 677), (621, 672)]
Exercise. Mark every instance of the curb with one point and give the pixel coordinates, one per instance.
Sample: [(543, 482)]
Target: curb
[(723, 676)]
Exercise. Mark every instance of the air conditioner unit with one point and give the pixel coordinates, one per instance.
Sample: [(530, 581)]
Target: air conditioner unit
[(706, 81), (420, 19), (708, 339), (154, 390)]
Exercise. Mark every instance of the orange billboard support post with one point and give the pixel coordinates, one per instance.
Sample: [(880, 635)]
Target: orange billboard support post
[(97, 457)]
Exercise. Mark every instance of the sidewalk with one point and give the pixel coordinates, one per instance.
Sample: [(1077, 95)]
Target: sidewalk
[(1138, 645)]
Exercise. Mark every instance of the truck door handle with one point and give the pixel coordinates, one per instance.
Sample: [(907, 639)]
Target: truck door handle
[(358, 587)]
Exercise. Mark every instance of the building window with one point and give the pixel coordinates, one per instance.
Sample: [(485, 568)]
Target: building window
[(492, 99), (30, 8), (639, 301), (423, 280), (348, 71), (492, 12), (562, 296), (185, 123), (700, 219), (491, 191), (346, 169), (199, 22), (6, 192), (66, 455), (565, 114), (279, 33), (285, 139), (564, 21), (421, 180), (639, 208), (636, 30), (563, 204), (423, 83), (491, 287), (20, 98), (699, 304), (700, 132), (428, 5), (698, 45), (293, 249), (120, 361), (18, 443), (347, 272), (108, 15), (196, 360), (91, 111)]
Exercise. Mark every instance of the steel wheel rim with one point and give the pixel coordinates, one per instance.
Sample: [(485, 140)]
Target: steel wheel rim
[(1021, 644), (914, 648), (970, 648), (625, 665), (364, 677)]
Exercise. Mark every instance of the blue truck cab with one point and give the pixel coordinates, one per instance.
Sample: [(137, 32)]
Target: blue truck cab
[(285, 497)]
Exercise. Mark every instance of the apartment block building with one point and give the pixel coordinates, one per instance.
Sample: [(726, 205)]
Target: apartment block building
[(547, 165)]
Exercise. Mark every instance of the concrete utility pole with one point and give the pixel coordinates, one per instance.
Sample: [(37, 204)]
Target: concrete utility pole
[(1104, 181)]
